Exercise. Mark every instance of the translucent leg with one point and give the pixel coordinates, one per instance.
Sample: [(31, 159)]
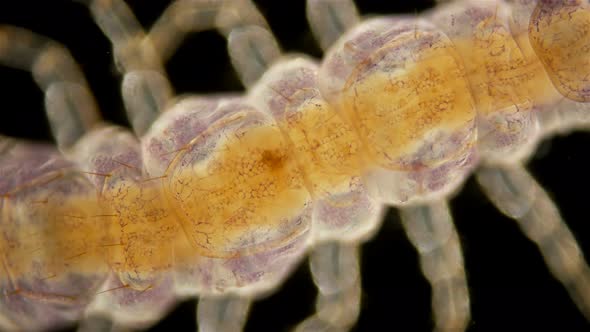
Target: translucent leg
[(518, 195), (146, 90), (335, 270), (71, 108), (252, 49), (430, 228), (99, 324), (119, 24), (329, 19), (222, 314), (186, 16), (251, 45)]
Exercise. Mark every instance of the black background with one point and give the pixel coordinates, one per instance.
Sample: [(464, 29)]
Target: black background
[(511, 289)]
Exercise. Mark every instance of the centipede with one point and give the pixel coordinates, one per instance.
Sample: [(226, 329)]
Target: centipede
[(319, 165)]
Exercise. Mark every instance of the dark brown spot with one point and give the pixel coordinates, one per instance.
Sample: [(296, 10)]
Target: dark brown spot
[(273, 159)]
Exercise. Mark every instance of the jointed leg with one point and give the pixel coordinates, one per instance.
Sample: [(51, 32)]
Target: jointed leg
[(430, 228), (519, 196), (224, 314), (251, 45), (185, 16), (336, 272), (71, 108), (252, 49), (145, 89), (99, 324), (329, 19)]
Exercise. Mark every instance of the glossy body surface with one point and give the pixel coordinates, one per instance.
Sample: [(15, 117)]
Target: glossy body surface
[(272, 160)]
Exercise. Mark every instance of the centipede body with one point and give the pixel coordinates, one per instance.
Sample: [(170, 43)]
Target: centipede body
[(494, 259)]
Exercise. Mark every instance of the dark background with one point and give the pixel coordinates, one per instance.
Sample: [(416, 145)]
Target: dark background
[(511, 289)]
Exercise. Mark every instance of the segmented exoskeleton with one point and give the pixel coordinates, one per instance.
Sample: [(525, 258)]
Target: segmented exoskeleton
[(138, 279)]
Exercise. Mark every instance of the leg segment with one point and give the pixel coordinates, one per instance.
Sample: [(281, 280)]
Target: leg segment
[(519, 196), (252, 49), (71, 108), (251, 45), (430, 228), (145, 89), (186, 16), (98, 324), (225, 314), (329, 19), (336, 272)]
